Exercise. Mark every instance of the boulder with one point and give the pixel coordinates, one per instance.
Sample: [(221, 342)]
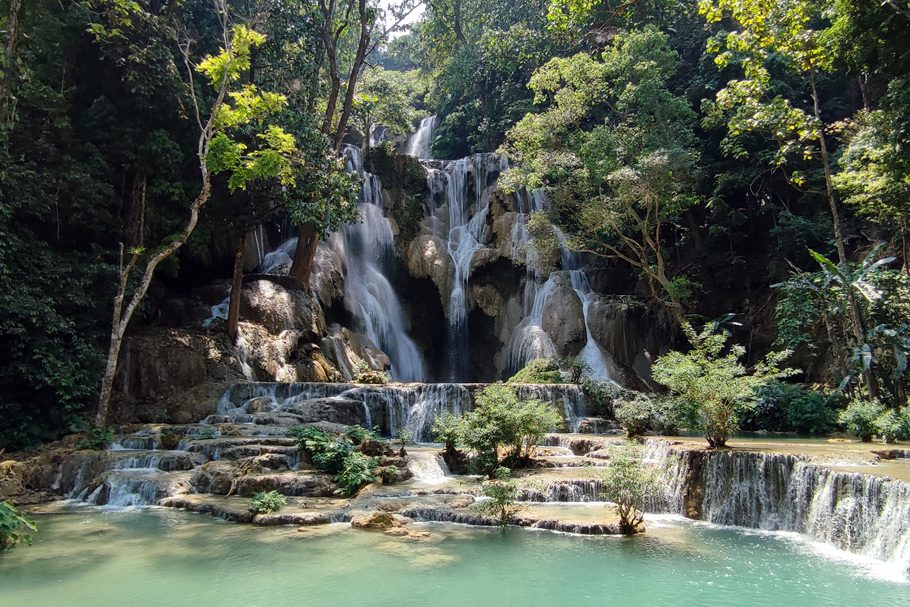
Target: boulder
[(487, 298), (279, 309), (334, 409), (345, 348), (173, 375), (327, 280), (287, 483), (427, 257), (378, 520), (563, 318)]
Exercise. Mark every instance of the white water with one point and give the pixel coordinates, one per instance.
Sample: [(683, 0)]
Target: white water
[(369, 295), (365, 248), (418, 145), (428, 467), (414, 407), (591, 354), (529, 340), (865, 515)]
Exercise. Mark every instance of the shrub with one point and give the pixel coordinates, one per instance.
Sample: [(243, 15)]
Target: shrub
[(447, 429), (97, 439), (404, 436), (637, 415), (357, 470), (627, 482), (500, 419), (388, 474), (500, 497), (575, 367), (538, 371), (326, 451), (359, 434), (783, 407), (600, 396), (711, 386), (169, 439), (267, 501), (363, 374), (860, 416), (337, 455), (893, 425), (207, 434), (11, 523)]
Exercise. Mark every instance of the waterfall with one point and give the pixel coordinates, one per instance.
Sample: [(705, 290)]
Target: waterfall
[(279, 260), (529, 340), (367, 248), (859, 513), (391, 407), (418, 145), (428, 467), (591, 354), (464, 188)]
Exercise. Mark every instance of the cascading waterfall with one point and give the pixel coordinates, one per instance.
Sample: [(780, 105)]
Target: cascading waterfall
[(428, 467), (464, 186), (367, 251), (418, 145), (529, 340), (859, 513), (367, 248), (591, 354), (391, 407)]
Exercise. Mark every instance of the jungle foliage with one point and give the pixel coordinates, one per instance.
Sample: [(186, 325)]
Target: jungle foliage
[(710, 150)]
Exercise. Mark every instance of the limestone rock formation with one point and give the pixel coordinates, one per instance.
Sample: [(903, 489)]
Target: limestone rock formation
[(427, 257), (327, 280), (279, 309), (378, 520), (345, 348), (173, 375), (563, 318)]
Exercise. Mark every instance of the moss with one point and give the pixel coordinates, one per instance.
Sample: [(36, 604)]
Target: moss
[(538, 371)]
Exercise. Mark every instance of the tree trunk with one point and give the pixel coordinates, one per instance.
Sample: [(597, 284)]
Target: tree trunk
[(329, 41), (121, 318), (456, 26), (366, 30), (233, 319), (829, 184), (304, 254)]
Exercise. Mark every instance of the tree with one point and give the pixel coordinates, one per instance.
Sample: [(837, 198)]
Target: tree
[(771, 30), (500, 496), (218, 151), (711, 387), (338, 16), (383, 99), (627, 482), (614, 151), (859, 310), (500, 420), (873, 175)]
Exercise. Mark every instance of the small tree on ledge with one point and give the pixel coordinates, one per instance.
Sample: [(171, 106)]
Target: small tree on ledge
[(711, 387), (627, 482)]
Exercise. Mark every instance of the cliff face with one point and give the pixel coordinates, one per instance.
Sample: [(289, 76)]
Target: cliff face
[(438, 281)]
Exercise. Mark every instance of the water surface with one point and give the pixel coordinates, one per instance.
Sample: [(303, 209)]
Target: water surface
[(156, 557)]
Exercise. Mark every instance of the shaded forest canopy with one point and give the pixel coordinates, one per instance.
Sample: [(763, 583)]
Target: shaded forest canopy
[(738, 156)]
